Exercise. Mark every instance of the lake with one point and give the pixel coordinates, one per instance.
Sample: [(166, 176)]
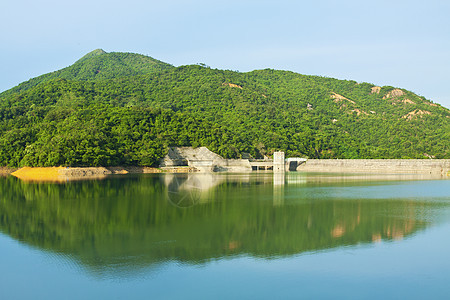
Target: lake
[(241, 236)]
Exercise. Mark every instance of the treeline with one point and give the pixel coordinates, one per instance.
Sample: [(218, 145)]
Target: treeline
[(100, 135)]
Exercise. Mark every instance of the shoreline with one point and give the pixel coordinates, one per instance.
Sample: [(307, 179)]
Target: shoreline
[(63, 174), (5, 171), (378, 166)]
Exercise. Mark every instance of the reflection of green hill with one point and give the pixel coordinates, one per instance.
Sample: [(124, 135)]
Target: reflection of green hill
[(129, 221)]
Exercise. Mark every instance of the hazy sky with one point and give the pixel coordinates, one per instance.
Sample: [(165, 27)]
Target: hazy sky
[(399, 43)]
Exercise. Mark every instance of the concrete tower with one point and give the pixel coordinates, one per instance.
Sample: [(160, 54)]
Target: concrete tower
[(278, 161)]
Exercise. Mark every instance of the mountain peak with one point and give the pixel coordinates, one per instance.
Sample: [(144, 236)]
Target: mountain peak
[(99, 65), (96, 52)]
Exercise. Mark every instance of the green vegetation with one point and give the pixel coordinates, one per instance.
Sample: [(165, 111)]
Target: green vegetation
[(99, 65), (126, 109)]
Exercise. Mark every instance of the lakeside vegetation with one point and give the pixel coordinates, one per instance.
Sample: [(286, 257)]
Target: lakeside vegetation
[(127, 109)]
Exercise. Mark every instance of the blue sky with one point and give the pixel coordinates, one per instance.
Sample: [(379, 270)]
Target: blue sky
[(399, 43)]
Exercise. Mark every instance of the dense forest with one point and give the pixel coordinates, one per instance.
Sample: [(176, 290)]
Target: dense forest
[(127, 109)]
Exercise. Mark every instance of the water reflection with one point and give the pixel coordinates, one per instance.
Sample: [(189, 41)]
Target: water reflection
[(124, 224), (278, 187)]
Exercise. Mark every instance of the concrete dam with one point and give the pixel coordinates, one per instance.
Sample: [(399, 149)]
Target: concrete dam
[(204, 160)]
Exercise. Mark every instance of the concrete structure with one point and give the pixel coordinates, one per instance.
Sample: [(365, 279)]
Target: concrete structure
[(292, 163), (278, 161), (386, 166), (204, 160), (261, 164), (188, 156)]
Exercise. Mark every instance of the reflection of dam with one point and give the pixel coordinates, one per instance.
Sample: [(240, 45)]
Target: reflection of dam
[(187, 189), (127, 223)]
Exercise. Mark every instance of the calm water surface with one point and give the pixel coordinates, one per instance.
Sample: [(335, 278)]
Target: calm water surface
[(253, 236)]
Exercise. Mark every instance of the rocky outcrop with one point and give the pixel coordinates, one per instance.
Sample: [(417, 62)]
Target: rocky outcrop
[(375, 90), (338, 98), (394, 94), (416, 113)]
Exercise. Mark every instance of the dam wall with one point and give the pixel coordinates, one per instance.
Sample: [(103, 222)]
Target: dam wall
[(396, 166)]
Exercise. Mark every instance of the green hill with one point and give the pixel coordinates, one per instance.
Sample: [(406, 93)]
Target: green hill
[(122, 117), (99, 65)]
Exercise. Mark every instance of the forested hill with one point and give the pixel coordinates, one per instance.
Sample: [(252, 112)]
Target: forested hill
[(130, 117), (99, 65)]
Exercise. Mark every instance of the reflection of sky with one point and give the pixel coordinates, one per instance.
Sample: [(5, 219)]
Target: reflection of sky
[(416, 268)]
